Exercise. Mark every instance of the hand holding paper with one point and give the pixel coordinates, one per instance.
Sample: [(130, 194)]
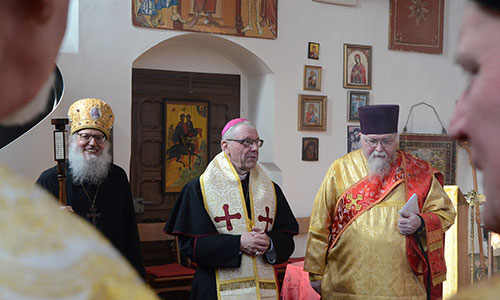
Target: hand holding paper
[(411, 205), (409, 221)]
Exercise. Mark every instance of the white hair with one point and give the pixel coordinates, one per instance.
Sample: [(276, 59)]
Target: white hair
[(91, 170), (229, 134)]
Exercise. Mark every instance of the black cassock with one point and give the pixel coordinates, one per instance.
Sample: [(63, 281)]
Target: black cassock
[(115, 209), (200, 241)]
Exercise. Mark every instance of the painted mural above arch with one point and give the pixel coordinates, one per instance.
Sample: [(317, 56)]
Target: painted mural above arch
[(246, 18)]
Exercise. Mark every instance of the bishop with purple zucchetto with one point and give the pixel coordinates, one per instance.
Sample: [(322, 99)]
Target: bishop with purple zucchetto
[(234, 222)]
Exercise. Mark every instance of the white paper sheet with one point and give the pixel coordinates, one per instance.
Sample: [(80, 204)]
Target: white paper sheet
[(411, 205)]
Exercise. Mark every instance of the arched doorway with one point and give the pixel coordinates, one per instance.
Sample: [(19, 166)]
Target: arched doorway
[(193, 67)]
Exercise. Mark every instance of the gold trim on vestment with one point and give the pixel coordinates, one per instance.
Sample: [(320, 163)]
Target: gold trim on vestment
[(247, 284)]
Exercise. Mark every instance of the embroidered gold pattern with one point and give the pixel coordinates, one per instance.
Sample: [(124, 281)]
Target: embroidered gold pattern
[(267, 285), (435, 246), (237, 285), (247, 284), (434, 236), (354, 201)]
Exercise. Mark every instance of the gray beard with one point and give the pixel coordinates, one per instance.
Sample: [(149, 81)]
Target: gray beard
[(92, 170), (379, 165)]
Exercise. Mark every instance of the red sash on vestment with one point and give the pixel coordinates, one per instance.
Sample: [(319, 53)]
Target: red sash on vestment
[(371, 190)]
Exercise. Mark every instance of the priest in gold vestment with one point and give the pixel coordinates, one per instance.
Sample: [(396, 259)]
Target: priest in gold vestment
[(359, 245)]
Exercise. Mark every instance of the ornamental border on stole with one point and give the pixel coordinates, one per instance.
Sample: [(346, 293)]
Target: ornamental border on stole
[(185, 150), (440, 150)]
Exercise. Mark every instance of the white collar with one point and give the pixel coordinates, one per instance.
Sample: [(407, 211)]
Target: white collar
[(244, 176)]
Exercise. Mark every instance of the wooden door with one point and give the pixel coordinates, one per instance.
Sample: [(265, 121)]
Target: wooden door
[(150, 88)]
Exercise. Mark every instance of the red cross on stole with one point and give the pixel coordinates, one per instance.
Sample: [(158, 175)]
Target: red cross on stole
[(266, 219), (227, 217)]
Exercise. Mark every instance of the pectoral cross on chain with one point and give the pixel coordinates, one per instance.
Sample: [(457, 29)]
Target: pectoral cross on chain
[(354, 202), (267, 219), (227, 217), (92, 215)]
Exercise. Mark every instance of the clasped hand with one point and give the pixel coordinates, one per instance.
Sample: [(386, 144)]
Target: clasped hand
[(409, 223), (67, 208), (255, 242)]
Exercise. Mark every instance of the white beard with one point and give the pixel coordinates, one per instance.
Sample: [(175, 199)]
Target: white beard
[(91, 170), (379, 163)]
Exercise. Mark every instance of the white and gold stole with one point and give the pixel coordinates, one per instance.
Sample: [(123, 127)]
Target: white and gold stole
[(225, 203)]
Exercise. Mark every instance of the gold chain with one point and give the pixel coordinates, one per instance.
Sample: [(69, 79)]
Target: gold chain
[(95, 196)]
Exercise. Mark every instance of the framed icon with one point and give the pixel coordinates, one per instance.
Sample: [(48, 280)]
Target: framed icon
[(310, 149), (312, 113), (312, 78), (355, 100), (353, 137), (357, 66), (313, 50)]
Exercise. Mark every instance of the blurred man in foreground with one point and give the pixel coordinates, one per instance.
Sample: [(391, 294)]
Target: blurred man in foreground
[(477, 115), (46, 253)]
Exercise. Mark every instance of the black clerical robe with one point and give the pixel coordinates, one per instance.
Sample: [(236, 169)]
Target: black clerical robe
[(200, 241), (113, 203)]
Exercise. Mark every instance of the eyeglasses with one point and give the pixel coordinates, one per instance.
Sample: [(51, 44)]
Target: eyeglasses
[(248, 142), (98, 138), (384, 142)]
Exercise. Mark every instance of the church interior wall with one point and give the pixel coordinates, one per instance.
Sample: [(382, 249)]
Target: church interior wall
[(272, 79)]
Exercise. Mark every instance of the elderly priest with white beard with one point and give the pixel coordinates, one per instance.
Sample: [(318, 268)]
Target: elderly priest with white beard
[(97, 190), (359, 245)]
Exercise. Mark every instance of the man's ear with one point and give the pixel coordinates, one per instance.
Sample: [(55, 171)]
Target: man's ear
[(224, 146)]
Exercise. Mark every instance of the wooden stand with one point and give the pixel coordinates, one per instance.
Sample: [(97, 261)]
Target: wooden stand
[(60, 155)]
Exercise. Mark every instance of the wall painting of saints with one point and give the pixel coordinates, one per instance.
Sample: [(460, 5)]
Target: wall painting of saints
[(247, 18), (357, 66), (185, 142)]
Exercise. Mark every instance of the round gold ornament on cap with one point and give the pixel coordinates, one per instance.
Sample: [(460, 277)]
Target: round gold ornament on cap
[(91, 113)]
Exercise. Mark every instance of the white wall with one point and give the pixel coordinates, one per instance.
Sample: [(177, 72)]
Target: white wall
[(272, 72)]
